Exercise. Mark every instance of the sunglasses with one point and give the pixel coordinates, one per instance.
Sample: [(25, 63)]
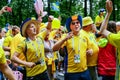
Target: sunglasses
[(73, 23)]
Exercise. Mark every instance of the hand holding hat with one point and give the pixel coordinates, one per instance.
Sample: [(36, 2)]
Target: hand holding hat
[(9, 9), (6, 9)]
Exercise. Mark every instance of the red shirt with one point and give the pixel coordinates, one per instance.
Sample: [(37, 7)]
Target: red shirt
[(107, 60)]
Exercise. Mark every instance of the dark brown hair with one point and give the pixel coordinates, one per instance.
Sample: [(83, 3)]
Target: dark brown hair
[(111, 26)]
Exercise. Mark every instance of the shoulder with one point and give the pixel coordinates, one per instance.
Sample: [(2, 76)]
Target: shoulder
[(114, 36)]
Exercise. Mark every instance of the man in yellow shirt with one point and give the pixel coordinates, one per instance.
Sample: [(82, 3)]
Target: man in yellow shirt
[(113, 38), (99, 18), (17, 39), (75, 58), (91, 59), (8, 40)]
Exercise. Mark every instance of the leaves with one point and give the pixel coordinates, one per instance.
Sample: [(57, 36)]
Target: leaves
[(23, 9)]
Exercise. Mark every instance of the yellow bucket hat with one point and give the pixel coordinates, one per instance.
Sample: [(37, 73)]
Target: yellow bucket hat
[(25, 23), (87, 21)]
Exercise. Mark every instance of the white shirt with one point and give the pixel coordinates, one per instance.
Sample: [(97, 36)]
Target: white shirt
[(1, 41)]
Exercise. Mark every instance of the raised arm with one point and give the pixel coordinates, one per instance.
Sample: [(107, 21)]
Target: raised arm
[(109, 8), (58, 44), (49, 25), (3, 10)]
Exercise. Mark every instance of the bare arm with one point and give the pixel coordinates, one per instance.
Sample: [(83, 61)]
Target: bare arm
[(19, 61), (7, 71), (109, 8), (3, 10), (6, 48), (58, 45), (49, 25)]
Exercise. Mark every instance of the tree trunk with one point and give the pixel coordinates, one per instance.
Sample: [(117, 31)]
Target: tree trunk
[(48, 7), (114, 10), (70, 5), (91, 8), (85, 8)]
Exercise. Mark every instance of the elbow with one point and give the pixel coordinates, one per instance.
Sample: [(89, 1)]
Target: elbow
[(55, 48), (102, 31), (13, 58)]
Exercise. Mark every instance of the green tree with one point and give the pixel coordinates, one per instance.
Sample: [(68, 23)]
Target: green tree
[(23, 9)]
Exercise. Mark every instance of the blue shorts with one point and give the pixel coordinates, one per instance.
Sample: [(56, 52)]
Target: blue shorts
[(78, 76)]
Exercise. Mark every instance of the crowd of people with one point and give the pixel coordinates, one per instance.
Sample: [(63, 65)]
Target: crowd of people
[(85, 50)]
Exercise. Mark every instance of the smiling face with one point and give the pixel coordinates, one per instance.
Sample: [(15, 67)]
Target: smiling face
[(31, 29), (75, 26)]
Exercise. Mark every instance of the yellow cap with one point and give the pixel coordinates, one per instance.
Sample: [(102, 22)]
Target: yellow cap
[(87, 21)]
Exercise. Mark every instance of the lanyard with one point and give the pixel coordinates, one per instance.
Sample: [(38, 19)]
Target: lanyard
[(73, 45), (36, 49)]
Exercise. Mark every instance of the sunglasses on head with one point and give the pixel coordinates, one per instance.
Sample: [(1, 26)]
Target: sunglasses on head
[(73, 23)]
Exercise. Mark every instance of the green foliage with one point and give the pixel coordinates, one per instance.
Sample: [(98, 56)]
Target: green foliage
[(23, 9), (69, 8)]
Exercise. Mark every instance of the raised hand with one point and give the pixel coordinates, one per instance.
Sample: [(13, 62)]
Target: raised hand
[(109, 6), (69, 35), (4, 9), (50, 18)]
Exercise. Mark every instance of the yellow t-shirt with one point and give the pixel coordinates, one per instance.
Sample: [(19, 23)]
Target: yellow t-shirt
[(42, 27), (2, 56), (77, 45), (35, 52), (7, 41), (98, 19), (52, 34), (15, 41), (43, 33), (8, 33), (114, 39), (91, 59)]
